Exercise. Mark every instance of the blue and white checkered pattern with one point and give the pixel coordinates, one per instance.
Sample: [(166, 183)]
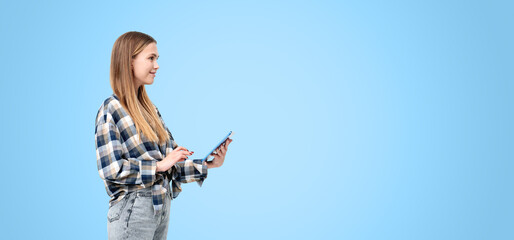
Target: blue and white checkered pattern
[(127, 164)]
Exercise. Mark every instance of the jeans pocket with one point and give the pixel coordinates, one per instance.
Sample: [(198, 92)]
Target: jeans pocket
[(116, 210)]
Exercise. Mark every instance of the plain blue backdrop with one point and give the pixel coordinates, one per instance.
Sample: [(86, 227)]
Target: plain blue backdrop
[(352, 119)]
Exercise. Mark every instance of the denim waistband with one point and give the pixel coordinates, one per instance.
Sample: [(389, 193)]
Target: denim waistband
[(146, 192), (143, 192)]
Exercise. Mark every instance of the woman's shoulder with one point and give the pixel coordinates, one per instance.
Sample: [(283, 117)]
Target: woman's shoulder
[(110, 108)]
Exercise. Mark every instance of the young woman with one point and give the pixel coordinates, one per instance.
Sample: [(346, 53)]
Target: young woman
[(138, 159)]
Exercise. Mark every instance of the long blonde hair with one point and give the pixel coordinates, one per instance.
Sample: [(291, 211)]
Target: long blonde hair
[(139, 106)]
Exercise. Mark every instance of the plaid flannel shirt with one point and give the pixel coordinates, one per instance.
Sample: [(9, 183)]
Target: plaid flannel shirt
[(127, 164)]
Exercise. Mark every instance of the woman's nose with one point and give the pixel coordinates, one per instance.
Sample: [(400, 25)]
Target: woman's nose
[(156, 65)]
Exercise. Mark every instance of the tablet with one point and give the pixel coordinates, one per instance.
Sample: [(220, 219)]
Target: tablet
[(218, 145)]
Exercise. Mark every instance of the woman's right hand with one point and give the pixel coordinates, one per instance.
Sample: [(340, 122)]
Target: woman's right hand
[(178, 154)]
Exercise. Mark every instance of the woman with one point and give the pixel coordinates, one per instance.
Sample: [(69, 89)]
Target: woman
[(138, 159)]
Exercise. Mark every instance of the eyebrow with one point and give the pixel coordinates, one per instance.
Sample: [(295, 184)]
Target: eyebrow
[(154, 55)]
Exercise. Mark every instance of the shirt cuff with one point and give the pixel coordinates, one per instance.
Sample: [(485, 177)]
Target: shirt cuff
[(203, 170)]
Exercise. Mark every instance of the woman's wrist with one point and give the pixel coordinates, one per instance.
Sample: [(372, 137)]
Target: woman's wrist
[(210, 164), (163, 165), (159, 166)]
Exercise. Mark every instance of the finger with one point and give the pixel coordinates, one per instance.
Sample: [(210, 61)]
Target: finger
[(180, 149), (184, 150), (225, 147), (222, 149)]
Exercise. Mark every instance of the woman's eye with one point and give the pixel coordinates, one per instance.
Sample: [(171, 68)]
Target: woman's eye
[(151, 58)]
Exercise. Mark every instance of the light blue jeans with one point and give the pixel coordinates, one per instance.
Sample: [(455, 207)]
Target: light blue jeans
[(133, 217)]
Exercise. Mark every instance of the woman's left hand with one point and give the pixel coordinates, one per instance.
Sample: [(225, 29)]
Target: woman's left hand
[(219, 155)]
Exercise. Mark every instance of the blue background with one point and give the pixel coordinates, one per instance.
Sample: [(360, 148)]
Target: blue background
[(352, 119)]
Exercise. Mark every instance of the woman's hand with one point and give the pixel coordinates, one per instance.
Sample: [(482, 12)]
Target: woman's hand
[(219, 155), (177, 155)]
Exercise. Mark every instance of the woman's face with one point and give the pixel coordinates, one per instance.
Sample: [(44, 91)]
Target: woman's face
[(145, 65)]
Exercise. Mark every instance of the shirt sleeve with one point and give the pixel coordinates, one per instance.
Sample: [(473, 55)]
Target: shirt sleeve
[(190, 171), (115, 168)]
